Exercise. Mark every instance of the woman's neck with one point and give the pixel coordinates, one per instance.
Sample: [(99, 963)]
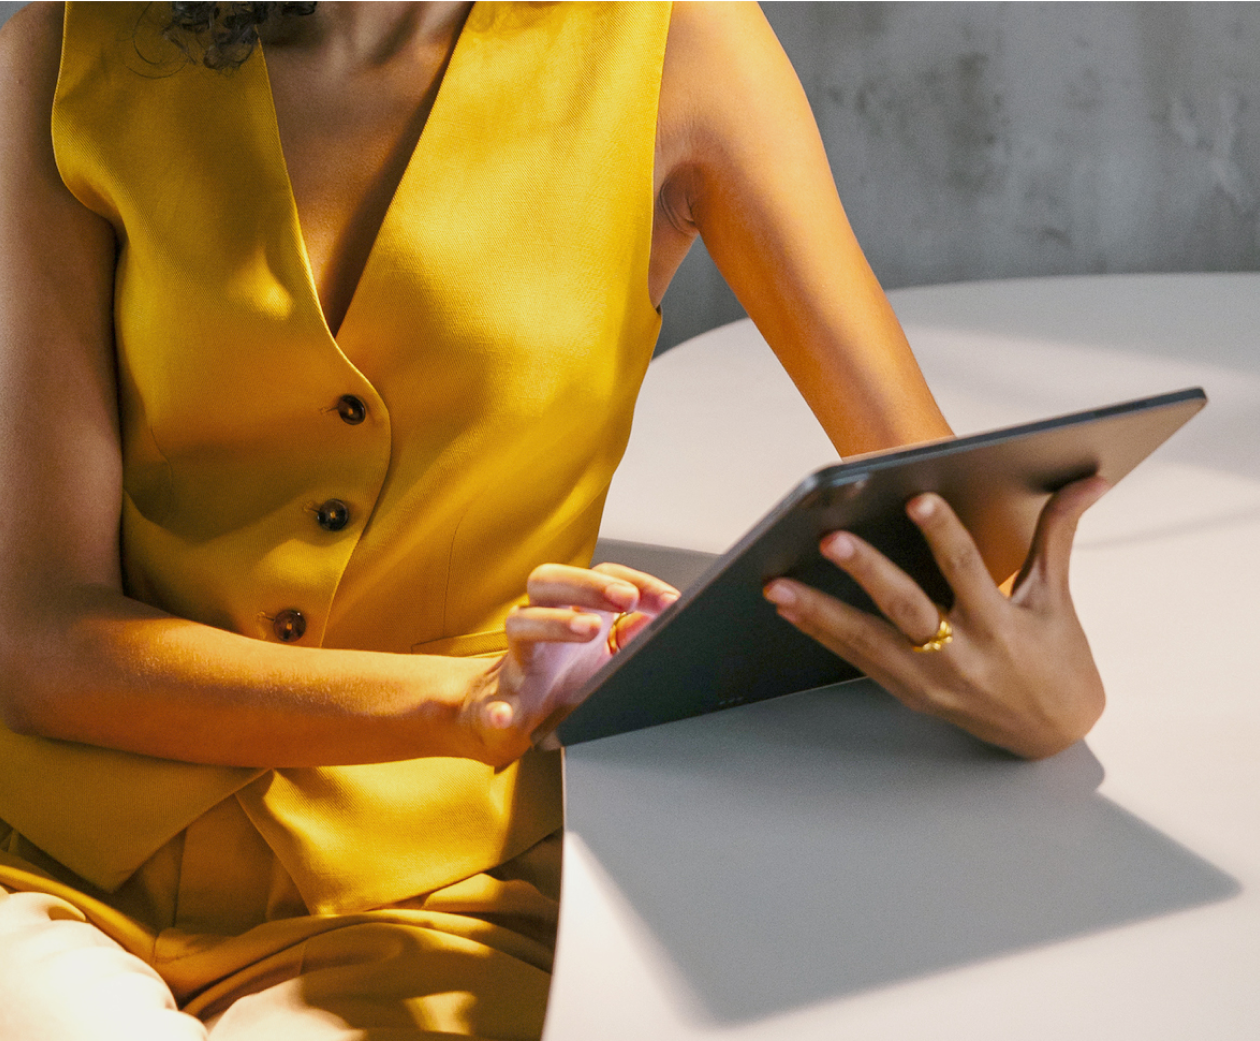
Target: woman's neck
[(362, 35)]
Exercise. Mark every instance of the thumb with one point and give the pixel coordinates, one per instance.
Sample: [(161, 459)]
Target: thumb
[(1051, 549), (500, 704), (499, 714)]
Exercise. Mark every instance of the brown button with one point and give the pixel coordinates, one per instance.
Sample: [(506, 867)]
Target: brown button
[(289, 625), (333, 515), (352, 410)]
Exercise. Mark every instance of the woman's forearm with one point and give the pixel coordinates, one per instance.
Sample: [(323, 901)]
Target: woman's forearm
[(93, 666)]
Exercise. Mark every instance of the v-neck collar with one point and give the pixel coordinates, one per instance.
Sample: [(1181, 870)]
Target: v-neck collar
[(409, 173)]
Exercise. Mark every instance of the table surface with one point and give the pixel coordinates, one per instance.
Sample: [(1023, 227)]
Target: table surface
[(831, 865)]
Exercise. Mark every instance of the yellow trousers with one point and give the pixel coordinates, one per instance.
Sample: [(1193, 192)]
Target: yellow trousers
[(210, 939)]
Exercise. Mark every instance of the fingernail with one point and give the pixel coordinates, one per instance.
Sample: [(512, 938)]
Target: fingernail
[(670, 598), (839, 546), (585, 624), (923, 507), (780, 593), (499, 715), (623, 594)]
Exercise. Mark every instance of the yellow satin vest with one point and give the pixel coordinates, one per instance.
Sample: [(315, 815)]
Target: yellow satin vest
[(495, 344)]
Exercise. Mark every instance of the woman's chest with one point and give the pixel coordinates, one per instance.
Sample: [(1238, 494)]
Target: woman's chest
[(347, 141)]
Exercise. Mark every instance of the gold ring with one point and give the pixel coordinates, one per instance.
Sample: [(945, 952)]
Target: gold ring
[(944, 634), (614, 645)]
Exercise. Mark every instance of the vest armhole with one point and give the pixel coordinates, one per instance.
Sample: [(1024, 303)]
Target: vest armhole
[(62, 122)]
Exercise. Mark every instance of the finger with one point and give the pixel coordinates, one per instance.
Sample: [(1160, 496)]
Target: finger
[(503, 712), (557, 585), (626, 627), (867, 642), (954, 551), (655, 594), (552, 625), (1051, 548), (895, 593), (499, 714)]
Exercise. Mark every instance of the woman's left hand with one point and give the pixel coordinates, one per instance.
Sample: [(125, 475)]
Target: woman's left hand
[(1017, 672)]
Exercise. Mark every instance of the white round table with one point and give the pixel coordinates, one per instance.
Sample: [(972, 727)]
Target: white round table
[(829, 864)]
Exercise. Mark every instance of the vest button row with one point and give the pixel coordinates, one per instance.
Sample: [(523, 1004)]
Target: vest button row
[(333, 515), (352, 410), (289, 626)]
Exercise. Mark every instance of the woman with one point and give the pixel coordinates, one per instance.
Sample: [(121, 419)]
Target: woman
[(351, 391)]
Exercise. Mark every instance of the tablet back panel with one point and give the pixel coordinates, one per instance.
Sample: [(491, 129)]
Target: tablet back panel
[(722, 644)]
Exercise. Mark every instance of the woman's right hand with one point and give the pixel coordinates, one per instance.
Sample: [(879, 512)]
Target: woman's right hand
[(556, 642)]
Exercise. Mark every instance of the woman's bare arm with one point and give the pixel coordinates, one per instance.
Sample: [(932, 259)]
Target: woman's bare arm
[(740, 161)]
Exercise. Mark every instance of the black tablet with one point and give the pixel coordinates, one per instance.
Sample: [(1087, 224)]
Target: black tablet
[(722, 644)]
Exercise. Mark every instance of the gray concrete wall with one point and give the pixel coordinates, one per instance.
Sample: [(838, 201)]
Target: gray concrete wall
[(991, 140)]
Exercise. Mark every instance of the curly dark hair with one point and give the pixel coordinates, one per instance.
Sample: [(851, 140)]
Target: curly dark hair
[(223, 36)]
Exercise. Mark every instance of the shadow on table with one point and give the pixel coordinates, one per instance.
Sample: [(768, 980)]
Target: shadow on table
[(832, 842)]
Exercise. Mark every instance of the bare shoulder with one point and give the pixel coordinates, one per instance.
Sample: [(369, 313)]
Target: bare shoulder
[(30, 42), (30, 54), (32, 193), (33, 22)]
